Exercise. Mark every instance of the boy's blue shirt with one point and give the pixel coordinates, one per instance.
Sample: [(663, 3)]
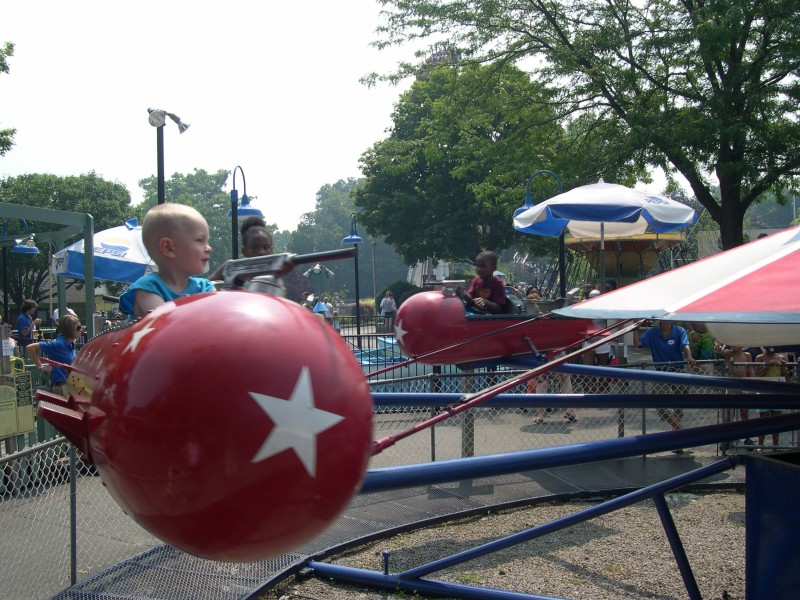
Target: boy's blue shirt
[(60, 350), (155, 285)]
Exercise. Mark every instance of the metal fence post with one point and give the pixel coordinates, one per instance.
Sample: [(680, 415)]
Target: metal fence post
[(468, 420), (73, 516), (436, 388)]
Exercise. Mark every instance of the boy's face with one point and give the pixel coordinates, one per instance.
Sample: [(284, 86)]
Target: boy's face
[(191, 246), (484, 268)]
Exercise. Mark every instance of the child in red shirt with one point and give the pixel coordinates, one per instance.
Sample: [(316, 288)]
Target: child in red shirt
[(487, 292)]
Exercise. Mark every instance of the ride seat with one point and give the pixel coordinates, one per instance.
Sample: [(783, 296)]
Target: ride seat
[(514, 306)]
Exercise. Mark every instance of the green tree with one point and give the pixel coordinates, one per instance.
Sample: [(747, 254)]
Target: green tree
[(6, 135), (323, 229), (446, 181), (109, 203), (203, 191), (705, 89)]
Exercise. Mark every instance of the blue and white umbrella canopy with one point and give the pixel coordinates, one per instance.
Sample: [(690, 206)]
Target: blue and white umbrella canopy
[(604, 210), (119, 255)]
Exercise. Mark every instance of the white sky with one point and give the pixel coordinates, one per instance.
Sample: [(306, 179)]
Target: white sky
[(270, 86)]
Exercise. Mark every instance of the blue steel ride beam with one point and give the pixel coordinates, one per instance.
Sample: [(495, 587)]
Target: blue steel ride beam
[(381, 480), (410, 579)]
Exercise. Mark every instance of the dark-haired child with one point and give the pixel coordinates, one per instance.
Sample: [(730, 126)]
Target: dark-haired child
[(487, 292)]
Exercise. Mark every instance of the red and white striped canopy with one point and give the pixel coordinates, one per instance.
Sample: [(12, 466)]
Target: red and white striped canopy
[(747, 296)]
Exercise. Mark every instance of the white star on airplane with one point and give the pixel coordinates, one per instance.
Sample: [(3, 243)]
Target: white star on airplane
[(295, 423), (137, 337), (399, 332)]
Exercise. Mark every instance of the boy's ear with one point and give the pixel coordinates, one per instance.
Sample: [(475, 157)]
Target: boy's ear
[(166, 247)]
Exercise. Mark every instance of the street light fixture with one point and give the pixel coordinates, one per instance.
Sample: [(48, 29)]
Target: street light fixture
[(26, 245), (318, 269), (157, 119), (239, 212), (354, 239)]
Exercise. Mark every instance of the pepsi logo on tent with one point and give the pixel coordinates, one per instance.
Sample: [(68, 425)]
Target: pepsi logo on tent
[(113, 246)]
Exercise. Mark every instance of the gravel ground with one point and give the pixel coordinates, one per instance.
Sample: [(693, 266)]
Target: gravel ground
[(624, 554)]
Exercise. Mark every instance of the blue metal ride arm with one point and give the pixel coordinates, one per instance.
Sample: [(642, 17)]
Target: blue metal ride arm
[(411, 579), (424, 586), (380, 480), (753, 384), (675, 543), (428, 400), (573, 519)]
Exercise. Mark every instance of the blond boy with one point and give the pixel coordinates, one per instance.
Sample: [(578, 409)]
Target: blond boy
[(176, 238)]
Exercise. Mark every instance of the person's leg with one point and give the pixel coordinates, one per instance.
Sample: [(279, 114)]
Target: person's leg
[(565, 381), (541, 386), (677, 419), (602, 360), (776, 437), (589, 383), (761, 437)]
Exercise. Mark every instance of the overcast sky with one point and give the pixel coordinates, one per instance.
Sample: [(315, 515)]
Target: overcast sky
[(270, 86)]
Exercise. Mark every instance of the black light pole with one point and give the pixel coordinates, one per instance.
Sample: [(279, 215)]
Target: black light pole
[(6, 319), (562, 269), (157, 119), (160, 160), (354, 239), (236, 213), (374, 288)]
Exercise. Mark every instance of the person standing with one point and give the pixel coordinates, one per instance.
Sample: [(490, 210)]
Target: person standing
[(388, 310), (771, 364), (669, 347), (27, 323), (61, 350)]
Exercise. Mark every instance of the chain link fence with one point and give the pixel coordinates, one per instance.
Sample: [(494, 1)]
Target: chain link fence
[(59, 524)]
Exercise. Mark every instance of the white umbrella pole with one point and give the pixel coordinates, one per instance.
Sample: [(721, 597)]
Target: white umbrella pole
[(602, 257)]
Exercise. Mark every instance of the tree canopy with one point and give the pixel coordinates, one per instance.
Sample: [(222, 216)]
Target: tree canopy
[(109, 203), (6, 135), (705, 89), (464, 139), (323, 229), (203, 191)]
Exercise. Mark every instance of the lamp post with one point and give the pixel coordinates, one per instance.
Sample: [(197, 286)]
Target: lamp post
[(562, 268), (157, 119), (26, 245), (236, 213), (355, 240), (374, 288)]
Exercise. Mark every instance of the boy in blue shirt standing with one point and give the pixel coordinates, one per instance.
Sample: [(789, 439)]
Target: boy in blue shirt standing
[(669, 346), (62, 350)]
